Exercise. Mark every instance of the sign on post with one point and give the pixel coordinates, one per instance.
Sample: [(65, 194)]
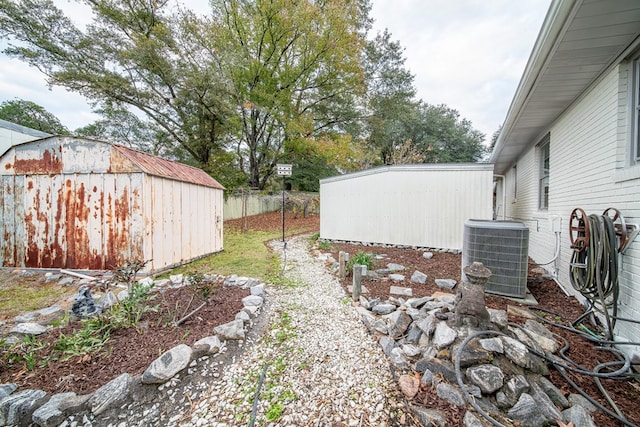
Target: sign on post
[(284, 169)]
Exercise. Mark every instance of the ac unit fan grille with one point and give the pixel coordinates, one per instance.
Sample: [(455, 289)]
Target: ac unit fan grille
[(502, 246)]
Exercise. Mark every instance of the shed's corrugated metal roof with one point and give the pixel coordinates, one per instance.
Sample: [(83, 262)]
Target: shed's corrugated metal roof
[(168, 169)]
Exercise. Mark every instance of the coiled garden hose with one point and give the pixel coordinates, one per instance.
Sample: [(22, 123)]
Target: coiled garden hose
[(594, 271)]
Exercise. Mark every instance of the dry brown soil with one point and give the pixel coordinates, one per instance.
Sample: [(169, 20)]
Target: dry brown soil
[(83, 374)]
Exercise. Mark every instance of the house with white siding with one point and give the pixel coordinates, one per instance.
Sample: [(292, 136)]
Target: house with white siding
[(571, 139)]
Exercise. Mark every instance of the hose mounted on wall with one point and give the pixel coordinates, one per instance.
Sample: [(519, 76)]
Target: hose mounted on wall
[(596, 241)]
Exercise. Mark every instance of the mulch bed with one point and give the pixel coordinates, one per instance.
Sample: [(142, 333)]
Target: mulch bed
[(128, 350), (549, 295)]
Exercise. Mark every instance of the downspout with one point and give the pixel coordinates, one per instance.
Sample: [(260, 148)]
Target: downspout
[(504, 195)]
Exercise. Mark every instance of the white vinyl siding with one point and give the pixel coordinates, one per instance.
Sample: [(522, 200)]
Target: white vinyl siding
[(585, 146), (414, 205)]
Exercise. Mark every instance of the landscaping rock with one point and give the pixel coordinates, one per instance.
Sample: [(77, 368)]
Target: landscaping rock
[(24, 329), (16, 409), (446, 283), (231, 331), (419, 277), (399, 321), (257, 290), (49, 414), (252, 300), (166, 366), (488, 377), (399, 290), (396, 277), (110, 395), (450, 393), (383, 308), (212, 343), (429, 417), (443, 335), (427, 255), (395, 267), (578, 416), (7, 389)]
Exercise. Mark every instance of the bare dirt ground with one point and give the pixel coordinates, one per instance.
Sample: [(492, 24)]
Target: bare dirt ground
[(83, 374)]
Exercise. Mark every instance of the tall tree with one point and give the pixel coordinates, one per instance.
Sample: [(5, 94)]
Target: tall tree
[(389, 96), (295, 71), (133, 54), (31, 115)]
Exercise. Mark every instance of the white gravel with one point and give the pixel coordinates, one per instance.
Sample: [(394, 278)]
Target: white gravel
[(324, 369)]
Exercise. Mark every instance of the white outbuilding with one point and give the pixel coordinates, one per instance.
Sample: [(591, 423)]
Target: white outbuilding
[(77, 203), (423, 205)]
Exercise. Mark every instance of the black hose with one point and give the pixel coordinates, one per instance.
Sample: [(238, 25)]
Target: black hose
[(594, 271), (256, 398)]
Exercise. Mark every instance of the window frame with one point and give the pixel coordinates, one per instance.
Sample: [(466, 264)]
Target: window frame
[(634, 146), (544, 150)]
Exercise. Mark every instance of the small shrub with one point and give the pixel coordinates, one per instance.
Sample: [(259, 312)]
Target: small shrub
[(314, 237), (325, 245), (361, 258)]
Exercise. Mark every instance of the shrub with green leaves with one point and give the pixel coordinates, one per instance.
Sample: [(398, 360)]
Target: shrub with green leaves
[(361, 258)]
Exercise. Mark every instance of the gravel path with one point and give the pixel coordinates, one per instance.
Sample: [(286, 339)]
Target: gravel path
[(323, 368)]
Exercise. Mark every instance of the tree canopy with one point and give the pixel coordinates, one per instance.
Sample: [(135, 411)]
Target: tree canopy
[(251, 84), (31, 115)]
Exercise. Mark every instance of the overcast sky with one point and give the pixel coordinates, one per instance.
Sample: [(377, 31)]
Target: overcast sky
[(467, 54)]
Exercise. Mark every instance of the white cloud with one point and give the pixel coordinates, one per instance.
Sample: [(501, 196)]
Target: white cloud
[(466, 54)]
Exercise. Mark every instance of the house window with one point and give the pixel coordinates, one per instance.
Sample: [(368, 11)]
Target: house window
[(544, 176), (635, 139)]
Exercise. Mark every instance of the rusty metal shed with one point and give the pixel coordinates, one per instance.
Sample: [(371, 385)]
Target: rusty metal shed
[(75, 203)]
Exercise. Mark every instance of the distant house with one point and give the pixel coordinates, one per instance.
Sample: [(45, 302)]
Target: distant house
[(571, 138), (12, 134), (76, 203), (422, 205)]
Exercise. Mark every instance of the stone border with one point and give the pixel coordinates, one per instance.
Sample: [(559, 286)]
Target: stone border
[(29, 406)]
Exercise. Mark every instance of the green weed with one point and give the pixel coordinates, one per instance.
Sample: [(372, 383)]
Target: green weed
[(361, 258)]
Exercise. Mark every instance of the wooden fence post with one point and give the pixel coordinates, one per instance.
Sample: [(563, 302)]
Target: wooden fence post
[(357, 281), (342, 263)]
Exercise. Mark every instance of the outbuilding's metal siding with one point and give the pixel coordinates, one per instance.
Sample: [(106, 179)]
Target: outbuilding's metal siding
[(81, 204), (416, 205)]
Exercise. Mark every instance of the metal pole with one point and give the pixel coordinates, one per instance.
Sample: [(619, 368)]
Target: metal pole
[(283, 208)]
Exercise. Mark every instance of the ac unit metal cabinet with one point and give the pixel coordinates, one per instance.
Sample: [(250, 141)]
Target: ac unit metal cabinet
[(502, 246)]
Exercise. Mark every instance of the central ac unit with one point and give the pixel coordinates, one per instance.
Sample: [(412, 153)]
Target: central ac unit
[(502, 246)]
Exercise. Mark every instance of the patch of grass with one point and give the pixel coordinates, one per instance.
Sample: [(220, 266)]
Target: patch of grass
[(19, 298), (324, 245), (274, 412), (244, 254)]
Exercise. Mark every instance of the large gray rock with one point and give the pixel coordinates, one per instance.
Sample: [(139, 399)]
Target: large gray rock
[(233, 330), (28, 328), (516, 352), (257, 290), (417, 302), (398, 358), (493, 345), (387, 344), (528, 413), (450, 393), (106, 301), (7, 389), (110, 395), (554, 393), (514, 388), (488, 377), (399, 321), (212, 344), (395, 267), (252, 300), (383, 308), (413, 334), (443, 335), (578, 416), (438, 367), (499, 317), (429, 417), (470, 420), (419, 277), (427, 325), (17, 408), (166, 366), (50, 414), (577, 399), (446, 283), (396, 277), (545, 404)]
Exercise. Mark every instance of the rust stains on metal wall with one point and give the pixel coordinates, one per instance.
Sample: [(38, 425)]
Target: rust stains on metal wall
[(49, 163)]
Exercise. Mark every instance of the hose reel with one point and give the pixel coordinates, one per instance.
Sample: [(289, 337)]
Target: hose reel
[(596, 241)]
